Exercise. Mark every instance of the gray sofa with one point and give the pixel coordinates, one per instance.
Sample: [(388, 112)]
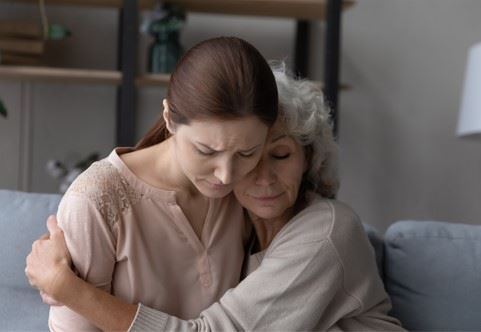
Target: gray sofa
[(431, 270)]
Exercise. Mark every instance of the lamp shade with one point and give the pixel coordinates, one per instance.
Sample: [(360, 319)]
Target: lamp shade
[(470, 117)]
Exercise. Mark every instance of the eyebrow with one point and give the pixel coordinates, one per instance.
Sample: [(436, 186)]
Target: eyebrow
[(281, 136), (208, 147)]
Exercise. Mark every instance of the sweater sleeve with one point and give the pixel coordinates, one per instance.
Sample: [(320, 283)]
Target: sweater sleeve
[(91, 244), (301, 284), (284, 293)]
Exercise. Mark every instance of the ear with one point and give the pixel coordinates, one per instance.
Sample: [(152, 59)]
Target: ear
[(167, 115)]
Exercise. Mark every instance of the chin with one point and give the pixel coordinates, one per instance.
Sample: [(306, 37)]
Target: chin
[(266, 212), (212, 193), (215, 194)]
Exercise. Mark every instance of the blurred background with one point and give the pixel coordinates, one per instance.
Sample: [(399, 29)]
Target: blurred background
[(403, 62)]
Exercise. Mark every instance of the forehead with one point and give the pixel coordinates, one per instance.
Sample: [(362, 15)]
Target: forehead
[(277, 131), (278, 134), (222, 134)]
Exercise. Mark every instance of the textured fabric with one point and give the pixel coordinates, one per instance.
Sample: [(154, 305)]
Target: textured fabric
[(133, 240), (319, 273), (433, 274), (148, 319), (22, 220)]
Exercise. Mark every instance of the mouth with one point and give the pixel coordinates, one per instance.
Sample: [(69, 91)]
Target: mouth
[(217, 186), (266, 198)]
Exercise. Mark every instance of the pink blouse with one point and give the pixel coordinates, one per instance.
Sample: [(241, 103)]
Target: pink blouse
[(133, 240)]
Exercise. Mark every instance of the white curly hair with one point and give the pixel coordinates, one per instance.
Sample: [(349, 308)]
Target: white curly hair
[(306, 118)]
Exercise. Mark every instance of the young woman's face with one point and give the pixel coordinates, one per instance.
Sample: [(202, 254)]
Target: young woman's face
[(215, 154), (272, 187)]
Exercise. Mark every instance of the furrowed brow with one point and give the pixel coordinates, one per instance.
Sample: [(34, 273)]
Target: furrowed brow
[(251, 149)]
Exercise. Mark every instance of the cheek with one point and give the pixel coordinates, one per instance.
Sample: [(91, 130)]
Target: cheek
[(293, 178), (190, 162), (242, 186), (243, 167)]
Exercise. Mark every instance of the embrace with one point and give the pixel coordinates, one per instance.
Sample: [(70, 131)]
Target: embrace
[(223, 217)]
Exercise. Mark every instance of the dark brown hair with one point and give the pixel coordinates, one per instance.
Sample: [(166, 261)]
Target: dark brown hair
[(222, 78)]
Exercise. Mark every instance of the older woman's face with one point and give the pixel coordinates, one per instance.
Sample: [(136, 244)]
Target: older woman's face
[(272, 187)]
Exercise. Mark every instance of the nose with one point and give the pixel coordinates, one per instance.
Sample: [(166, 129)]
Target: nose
[(223, 171), (264, 174)]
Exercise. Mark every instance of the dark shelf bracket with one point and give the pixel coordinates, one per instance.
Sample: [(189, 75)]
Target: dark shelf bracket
[(301, 57), (127, 64), (331, 60)]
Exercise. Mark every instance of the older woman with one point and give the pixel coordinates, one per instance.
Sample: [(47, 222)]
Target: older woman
[(311, 266)]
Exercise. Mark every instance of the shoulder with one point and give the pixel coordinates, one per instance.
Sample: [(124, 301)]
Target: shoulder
[(104, 189), (312, 224), (349, 239), (347, 229), (100, 178), (319, 221)]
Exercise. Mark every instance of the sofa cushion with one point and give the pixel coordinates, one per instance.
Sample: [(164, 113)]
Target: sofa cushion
[(22, 220), (433, 275)]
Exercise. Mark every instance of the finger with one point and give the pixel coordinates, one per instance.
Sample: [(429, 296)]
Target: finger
[(52, 225), (34, 244), (49, 300), (30, 281), (45, 236)]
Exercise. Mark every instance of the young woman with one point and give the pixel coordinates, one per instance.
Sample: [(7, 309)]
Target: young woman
[(158, 224), (311, 268)]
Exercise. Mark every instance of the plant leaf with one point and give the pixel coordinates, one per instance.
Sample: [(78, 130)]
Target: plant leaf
[(3, 109), (58, 32)]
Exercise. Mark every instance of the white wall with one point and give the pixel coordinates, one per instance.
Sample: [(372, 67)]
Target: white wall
[(400, 156), (403, 58)]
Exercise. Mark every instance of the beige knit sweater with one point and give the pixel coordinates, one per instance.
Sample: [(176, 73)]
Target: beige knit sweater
[(318, 274)]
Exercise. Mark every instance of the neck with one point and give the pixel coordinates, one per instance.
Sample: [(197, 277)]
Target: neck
[(267, 229), (170, 172)]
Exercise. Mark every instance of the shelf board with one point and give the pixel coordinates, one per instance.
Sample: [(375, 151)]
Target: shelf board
[(152, 80), (299, 9), (79, 76), (89, 76), (48, 74), (143, 4)]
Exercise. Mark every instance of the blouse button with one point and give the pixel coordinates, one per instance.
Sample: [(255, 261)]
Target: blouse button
[(205, 281)]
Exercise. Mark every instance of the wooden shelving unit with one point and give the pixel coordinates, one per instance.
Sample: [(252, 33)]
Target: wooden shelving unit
[(297, 9), (127, 79)]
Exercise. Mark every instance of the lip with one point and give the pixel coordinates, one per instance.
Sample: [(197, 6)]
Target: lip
[(216, 186), (267, 198)]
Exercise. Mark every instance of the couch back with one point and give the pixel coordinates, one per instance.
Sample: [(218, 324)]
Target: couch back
[(22, 220), (431, 270)]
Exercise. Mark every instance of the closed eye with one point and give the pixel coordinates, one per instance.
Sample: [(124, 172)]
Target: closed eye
[(246, 155), (281, 156), (205, 153)]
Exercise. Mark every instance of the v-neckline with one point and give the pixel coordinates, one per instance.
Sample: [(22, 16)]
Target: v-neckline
[(200, 244)]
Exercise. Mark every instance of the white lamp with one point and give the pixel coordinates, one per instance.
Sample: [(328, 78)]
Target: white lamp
[(470, 117)]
